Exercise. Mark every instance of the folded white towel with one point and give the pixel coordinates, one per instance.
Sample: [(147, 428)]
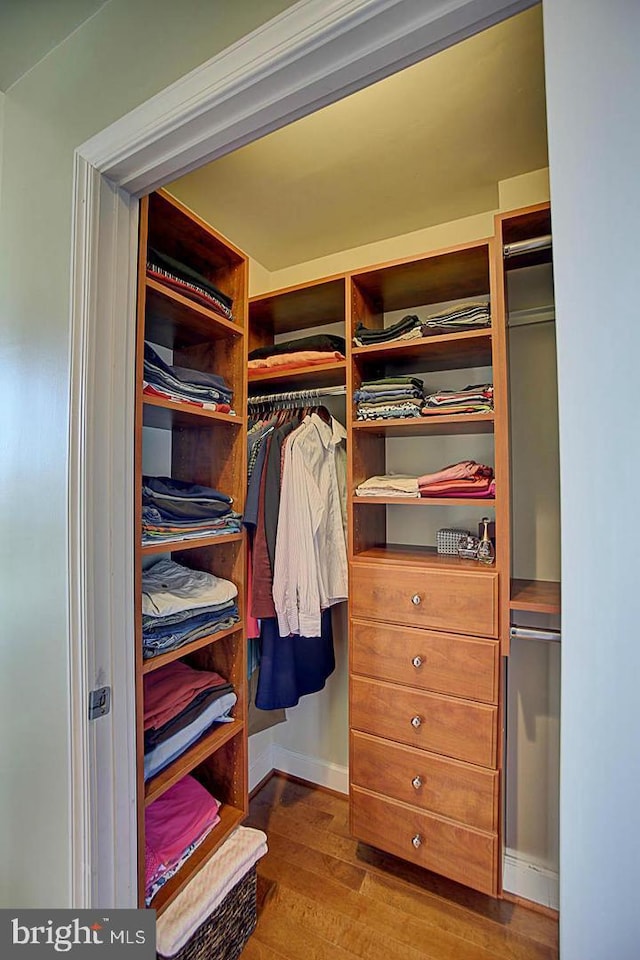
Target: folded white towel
[(208, 889)]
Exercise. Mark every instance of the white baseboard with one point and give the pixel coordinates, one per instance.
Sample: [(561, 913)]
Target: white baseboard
[(322, 772), (260, 763), (526, 878)]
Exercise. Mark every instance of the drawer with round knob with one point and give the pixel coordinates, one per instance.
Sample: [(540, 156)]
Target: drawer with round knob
[(458, 791), (445, 725), (442, 662), (449, 600), (463, 853)]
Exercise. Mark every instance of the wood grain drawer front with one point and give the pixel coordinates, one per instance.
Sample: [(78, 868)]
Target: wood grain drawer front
[(421, 597), (458, 791), (466, 855), (460, 666), (454, 728)]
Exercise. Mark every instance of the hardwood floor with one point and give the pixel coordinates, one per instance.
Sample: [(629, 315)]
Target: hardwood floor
[(324, 896)]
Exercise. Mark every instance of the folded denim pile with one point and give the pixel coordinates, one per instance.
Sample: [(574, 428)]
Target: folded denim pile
[(178, 510), (180, 605), (303, 352), (389, 397), (189, 282), (408, 328), (462, 316), (464, 479), (180, 705), (477, 398), (184, 385), (174, 827)]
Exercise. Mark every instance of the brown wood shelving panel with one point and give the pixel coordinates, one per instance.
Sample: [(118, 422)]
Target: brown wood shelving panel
[(207, 448)]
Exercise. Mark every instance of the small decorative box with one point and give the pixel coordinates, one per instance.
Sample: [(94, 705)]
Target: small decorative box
[(447, 540)]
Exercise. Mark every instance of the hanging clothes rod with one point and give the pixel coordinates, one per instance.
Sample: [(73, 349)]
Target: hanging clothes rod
[(531, 633), (290, 396), (518, 247)]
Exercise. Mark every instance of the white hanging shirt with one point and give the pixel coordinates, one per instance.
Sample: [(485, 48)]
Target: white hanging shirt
[(310, 569)]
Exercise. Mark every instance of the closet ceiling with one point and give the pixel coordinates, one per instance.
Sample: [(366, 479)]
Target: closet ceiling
[(425, 146), (30, 29)]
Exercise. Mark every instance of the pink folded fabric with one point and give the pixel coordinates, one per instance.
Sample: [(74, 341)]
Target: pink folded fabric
[(466, 469), (168, 690), (477, 487), (174, 822), (299, 359)]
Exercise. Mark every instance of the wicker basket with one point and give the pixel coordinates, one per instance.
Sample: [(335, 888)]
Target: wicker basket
[(223, 935)]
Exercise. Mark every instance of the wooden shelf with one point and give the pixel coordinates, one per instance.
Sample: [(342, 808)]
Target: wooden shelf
[(424, 556), (433, 501), (175, 321), (450, 351), (167, 414), (436, 426), (536, 596), (313, 304), (154, 663), (172, 546), (230, 818), (457, 273), (329, 374), (190, 759)]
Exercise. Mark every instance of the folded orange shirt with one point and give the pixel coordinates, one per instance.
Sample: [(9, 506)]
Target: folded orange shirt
[(303, 358)]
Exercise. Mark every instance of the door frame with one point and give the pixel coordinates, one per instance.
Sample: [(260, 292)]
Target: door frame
[(309, 56)]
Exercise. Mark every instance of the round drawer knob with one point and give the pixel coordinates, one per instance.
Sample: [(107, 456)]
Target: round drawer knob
[(416, 783), (416, 599), (416, 721), (417, 662), (417, 841)]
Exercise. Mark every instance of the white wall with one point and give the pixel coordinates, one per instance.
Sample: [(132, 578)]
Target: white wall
[(122, 56), (593, 79)]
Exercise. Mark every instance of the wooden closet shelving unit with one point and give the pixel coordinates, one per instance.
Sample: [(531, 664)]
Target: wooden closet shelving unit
[(295, 309), (207, 448), (425, 697), (531, 596)]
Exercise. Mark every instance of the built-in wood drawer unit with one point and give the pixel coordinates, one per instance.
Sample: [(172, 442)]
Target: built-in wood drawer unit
[(447, 600), (458, 791), (462, 853), (455, 728), (442, 662)]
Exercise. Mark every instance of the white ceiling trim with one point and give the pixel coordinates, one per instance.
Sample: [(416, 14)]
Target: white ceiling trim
[(311, 55)]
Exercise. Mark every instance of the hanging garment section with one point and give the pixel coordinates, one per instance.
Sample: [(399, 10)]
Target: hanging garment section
[(296, 519)]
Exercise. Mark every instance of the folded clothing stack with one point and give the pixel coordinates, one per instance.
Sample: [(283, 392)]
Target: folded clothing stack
[(408, 328), (189, 282), (180, 605), (303, 352), (464, 479), (180, 704), (389, 485), (472, 399), (187, 916), (462, 316), (388, 398), (175, 825), (206, 390), (177, 510)]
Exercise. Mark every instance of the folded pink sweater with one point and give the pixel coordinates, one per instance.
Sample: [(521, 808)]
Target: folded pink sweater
[(168, 690)]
